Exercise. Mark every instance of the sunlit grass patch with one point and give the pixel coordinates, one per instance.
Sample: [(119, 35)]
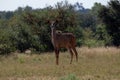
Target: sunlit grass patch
[(93, 64)]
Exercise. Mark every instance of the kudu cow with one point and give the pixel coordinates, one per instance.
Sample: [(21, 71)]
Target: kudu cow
[(63, 40)]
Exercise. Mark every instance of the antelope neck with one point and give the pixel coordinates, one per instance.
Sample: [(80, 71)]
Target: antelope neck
[(53, 32), (53, 35)]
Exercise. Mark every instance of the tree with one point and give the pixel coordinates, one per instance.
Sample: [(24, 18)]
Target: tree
[(110, 16)]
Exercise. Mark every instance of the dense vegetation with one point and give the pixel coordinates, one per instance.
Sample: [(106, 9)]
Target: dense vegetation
[(27, 28)]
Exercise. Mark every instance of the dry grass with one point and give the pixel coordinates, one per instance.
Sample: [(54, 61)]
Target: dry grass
[(94, 64)]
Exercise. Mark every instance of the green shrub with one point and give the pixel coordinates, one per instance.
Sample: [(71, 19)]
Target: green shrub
[(21, 60), (94, 43), (5, 49), (70, 77), (79, 42)]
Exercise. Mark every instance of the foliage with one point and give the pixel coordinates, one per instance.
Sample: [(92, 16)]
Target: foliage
[(6, 45), (90, 40), (102, 35), (110, 16), (70, 77), (27, 28), (30, 28)]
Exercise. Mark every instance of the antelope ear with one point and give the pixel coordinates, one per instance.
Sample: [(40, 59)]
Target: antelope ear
[(57, 21), (47, 21)]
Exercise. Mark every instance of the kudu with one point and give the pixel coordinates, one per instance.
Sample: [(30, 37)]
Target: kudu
[(63, 40)]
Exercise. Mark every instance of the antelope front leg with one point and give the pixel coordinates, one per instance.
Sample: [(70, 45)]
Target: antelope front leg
[(71, 55), (76, 54), (57, 56)]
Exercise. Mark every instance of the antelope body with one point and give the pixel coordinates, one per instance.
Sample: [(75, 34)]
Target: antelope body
[(63, 40)]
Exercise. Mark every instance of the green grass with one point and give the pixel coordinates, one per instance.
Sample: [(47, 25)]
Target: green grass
[(93, 64)]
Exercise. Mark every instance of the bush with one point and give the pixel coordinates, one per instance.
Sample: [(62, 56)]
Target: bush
[(5, 49), (70, 77), (94, 43)]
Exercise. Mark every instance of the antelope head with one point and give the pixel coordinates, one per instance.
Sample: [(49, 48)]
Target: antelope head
[(53, 24)]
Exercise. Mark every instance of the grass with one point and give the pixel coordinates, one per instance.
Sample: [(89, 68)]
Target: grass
[(93, 64)]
